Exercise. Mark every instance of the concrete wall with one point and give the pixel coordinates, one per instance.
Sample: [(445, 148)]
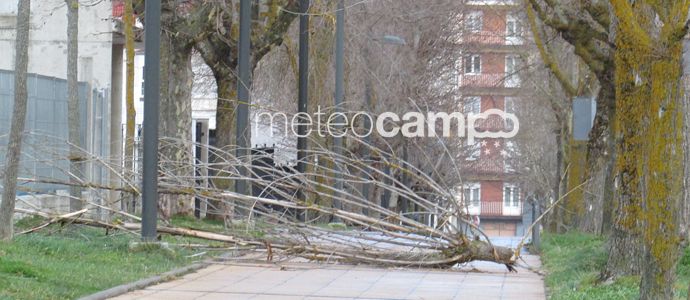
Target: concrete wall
[(48, 47)]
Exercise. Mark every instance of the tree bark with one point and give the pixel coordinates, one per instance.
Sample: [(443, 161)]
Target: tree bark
[(649, 123), (128, 19), (175, 125), (225, 125), (18, 120), (76, 168)]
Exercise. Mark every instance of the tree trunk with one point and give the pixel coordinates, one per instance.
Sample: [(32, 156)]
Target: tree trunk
[(75, 156), (128, 19), (649, 124), (606, 163), (225, 113), (225, 126), (176, 113), (18, 120)]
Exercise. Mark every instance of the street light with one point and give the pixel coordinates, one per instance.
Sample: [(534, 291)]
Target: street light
[(149, 213)]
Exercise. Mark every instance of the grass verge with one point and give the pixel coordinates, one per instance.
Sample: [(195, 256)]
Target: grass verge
[(66, 262), (573, 262)]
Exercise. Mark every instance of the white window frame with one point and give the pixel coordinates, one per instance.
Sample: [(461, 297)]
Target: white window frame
[(514, 31), (513, 28), (475, 191), (474, 22), (509, 107), (511, 150), (473, 62), (514, 200), (8, 7), (475, 150), (512, 64), (472, 105)]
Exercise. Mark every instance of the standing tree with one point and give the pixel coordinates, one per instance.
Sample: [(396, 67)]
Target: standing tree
[(219, 51), (648, 123), (75, 157), (128, 19), (14, 147), (180, 25), (635, 51)]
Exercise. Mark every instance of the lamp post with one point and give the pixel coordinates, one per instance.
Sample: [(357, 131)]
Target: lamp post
[(242, 185), (303, 95), (152, 41)]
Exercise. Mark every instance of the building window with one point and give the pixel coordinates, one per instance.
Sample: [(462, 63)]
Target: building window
[(512, 68), (474, 151), (473, 64), (509, 108), (510, 154), (471, 194), (143, 75), (513, 28), (472, 105), (511, 196), (474, 21), (8, 7), (512, 65)]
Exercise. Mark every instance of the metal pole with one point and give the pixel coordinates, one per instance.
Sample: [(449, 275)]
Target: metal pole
[(151, 102), (242, 131), (303, 93), (303, 82), (339, 70)]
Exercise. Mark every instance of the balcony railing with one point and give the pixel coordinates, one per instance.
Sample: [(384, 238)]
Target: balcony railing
[(484, 37), (493, 80), (499, 209), (491, 2), (491, 38)]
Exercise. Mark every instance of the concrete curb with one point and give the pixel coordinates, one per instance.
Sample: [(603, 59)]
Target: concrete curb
[(140, 284)]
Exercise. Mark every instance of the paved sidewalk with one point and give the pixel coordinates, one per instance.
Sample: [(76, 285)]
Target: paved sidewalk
[(317, 281)]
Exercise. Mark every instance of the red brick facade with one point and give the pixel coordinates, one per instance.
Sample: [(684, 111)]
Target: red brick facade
[(491, 39)]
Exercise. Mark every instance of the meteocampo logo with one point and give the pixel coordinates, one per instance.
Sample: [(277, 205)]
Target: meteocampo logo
[(389, 124)]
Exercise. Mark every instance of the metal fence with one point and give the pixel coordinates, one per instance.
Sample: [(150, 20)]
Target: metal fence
[(45, 148)]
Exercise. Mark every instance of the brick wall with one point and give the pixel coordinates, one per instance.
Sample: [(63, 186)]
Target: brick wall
[(492, 191)]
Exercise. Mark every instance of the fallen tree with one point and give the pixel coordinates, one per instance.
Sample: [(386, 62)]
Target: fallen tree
[(276, 219), (321, 250)]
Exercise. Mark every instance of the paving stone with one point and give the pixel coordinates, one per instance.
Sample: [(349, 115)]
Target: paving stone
[(336, 282)]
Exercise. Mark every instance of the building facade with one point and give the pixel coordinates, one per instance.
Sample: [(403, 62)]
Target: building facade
[(493, 43), (47, 85)]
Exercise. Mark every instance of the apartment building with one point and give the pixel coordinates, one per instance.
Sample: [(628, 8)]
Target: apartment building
[(494, 49)]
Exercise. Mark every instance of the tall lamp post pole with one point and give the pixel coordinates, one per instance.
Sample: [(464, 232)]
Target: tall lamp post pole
[(149, 214), (242, 130), (303, 95), (303, 92)]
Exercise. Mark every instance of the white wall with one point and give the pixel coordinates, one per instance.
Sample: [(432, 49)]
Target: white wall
[(138, 95), (204, 103), (48, 48), (8, 7)]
